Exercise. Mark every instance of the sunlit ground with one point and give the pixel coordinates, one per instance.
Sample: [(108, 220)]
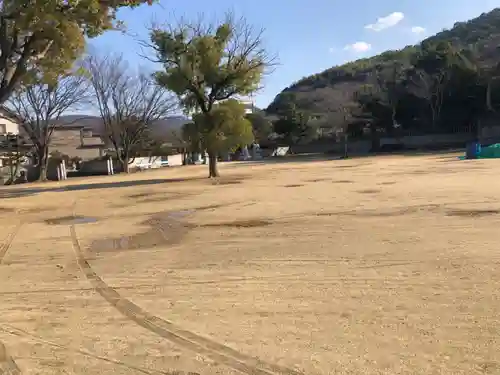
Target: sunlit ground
[(385, 265)]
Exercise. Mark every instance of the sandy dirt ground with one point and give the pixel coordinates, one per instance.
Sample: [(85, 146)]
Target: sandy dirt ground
[(387, 265)]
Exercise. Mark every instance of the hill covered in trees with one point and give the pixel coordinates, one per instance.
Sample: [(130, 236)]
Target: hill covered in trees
[(334, 94)]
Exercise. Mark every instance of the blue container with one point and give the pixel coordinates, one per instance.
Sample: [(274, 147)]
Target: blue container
[(473, 150)]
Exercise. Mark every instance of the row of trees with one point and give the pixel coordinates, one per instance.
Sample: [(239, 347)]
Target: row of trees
[(203, 67), (128, 104), (441, 87)]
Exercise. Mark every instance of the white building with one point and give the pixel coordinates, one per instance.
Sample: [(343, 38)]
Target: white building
[(249, 106), (8, 124)]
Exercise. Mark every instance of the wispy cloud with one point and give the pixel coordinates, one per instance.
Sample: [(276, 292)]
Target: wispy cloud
[(418, 30), (386, 22), (358, 47)]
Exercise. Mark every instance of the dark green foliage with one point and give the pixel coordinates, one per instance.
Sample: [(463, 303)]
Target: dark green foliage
[(204, 65), (447, 81), (224, 129), (42, 38), (261, 125), (294, 125)]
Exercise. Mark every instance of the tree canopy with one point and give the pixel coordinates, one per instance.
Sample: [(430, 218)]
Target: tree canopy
[(223, 129), (42, 38), (261, 125), (294, 125), (205, 64), (444, 89)]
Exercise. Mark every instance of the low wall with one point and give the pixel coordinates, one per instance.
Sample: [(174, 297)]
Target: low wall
[(432, 140), (97, 168), (490, 132), (157, 161), (100, 167), (364, 146), (146, 162), (175, 160)]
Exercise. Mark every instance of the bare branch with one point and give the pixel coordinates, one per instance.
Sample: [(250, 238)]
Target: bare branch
[(243, 53), (38, 106), (128, 103)]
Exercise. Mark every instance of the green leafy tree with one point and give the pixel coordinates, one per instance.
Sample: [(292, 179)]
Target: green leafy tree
[(294, 125), (192, 133), (205, 65), (262, 126), (387, 88), (375, 114), (432, 71), (42, 38), (223, 129)]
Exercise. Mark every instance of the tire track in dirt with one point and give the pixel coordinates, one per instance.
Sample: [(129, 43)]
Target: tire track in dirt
[(24, 334), (4, 247), (7, 364), (168, 330)]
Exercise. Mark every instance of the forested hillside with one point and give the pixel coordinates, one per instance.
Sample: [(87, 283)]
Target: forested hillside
[(343, 92)]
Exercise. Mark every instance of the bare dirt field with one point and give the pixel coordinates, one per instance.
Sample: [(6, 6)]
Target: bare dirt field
[(387, 265)]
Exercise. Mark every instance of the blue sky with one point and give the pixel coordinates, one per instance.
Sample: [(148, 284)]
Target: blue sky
[(308, 36)]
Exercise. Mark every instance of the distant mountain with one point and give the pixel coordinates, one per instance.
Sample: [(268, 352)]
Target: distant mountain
[(326, 92), (93, 123)]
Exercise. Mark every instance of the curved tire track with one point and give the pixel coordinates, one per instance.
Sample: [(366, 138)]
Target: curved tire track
[(5, 246), (168, 330)]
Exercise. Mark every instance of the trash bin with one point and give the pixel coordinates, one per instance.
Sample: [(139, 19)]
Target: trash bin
[(473, 150)]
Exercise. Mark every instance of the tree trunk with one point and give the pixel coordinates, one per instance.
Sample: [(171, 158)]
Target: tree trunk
[(345, 146), (488, 97), (124, 159), (375, 139), (42, 154), (14, 166), (479, 130), (213, 171), (125, 165)]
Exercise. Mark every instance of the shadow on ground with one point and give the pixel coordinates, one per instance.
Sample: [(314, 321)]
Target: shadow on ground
[(289, 159), (294, 158), (25, 192)]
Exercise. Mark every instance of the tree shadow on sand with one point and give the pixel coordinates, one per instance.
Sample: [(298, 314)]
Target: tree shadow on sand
[(21, 192)]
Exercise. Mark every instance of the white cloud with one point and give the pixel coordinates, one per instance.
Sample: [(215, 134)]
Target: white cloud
[(417, 30), (385, 22), (358, 47)]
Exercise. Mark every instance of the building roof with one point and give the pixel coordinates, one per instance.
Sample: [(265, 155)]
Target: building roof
[(167, 128)]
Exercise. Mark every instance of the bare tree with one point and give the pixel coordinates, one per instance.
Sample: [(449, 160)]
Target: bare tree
[(40, 105), (128, 103), (388, 89), (432, 87)]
